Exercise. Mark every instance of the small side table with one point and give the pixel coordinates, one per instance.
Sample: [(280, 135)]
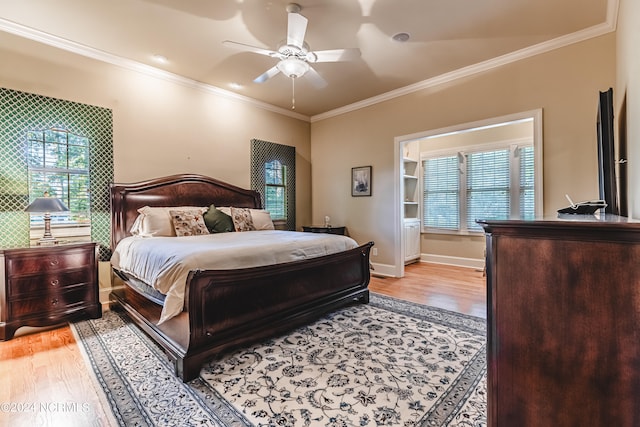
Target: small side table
[(323, 229), (43, 286)]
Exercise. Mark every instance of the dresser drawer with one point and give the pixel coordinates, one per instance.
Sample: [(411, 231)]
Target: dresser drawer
[(55, 302), (47, 262), (47, 283)]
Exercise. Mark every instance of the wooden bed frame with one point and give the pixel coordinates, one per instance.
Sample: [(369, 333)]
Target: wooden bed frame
[(228, 308)]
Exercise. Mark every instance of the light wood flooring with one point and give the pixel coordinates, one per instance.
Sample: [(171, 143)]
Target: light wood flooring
[(44, 380), (453, 288)]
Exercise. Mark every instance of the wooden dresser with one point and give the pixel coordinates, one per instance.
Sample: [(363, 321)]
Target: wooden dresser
[(44, 286), (563, 322)]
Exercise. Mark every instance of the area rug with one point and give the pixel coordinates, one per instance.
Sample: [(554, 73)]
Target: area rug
[(387, 363)]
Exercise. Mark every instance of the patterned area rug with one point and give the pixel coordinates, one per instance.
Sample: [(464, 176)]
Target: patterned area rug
[(388, 363)]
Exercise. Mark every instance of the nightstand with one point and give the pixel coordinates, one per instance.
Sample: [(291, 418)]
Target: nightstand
[(44, 286), (323, 229)]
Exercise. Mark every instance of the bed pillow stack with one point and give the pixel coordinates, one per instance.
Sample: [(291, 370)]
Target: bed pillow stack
[(193, 220)]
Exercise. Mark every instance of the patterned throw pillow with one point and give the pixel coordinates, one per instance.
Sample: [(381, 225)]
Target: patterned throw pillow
[(242, 220), (188, 223)]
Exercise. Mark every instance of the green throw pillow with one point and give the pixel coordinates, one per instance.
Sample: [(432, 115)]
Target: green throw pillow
[(217, 221)]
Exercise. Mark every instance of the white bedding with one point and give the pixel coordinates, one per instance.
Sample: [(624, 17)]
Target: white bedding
[(165, 262)]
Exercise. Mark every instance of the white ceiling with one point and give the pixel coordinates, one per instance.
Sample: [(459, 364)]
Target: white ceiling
[(447, 36)]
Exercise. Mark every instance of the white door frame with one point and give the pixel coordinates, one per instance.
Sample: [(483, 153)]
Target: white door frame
[(400, 141)]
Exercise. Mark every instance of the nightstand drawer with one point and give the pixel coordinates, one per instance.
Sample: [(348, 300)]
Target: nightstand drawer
[(47, 262), (61, 301), (46, 283)]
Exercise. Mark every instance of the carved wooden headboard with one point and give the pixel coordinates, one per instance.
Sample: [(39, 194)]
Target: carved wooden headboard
[(174, 190)]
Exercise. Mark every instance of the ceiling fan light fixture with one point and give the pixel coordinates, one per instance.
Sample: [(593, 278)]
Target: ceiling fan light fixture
[(293, 67)]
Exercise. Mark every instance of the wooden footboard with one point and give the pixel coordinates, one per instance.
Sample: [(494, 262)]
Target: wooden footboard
[(227, 308)]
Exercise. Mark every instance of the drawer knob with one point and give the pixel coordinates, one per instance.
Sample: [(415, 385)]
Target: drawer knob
[(54, 261), (54, 301), (55, 282)]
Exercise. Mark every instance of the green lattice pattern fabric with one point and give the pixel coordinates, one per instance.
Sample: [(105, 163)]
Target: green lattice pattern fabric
[(21, 112), (265, 151)]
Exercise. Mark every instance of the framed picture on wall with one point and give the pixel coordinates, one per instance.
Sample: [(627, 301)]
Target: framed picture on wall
[(361, 181)]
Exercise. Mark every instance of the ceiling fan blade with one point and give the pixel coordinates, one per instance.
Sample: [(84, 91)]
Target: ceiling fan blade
[(315, 78), (267, 75), (249, 48), (334, 55), (296, 29)]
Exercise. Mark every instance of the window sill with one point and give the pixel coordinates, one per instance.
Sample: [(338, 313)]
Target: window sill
[(67, 231)]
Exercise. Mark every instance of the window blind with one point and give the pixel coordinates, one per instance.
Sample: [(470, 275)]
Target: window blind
[(527, 181), (441, 193), (275, 190), (488, 195)]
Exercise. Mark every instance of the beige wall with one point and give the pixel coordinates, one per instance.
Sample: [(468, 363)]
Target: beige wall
[(628, 90), (564, 83), (160, 127)]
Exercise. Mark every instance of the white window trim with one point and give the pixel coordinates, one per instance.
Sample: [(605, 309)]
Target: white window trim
[(511, 144)]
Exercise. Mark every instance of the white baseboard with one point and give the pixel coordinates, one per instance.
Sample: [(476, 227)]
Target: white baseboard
[(455, 261), (383, 270), (387, 270)]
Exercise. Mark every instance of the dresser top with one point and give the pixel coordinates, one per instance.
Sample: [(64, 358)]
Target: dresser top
[(601, 227), (45, 249)]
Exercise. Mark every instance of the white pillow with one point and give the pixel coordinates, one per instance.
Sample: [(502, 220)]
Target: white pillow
[(261, 219), (157, 222)]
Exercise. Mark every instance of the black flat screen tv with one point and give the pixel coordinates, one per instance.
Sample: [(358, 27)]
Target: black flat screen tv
[(606, 153)]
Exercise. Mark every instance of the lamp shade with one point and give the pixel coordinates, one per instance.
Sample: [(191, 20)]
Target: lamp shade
[(46, 204)]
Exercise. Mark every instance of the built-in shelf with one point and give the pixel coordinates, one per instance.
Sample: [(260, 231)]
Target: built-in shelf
[(411, 207), (410, 178)]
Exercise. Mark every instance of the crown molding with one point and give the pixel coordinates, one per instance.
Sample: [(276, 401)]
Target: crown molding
[(39, 36), (597, 30), (89, 52)]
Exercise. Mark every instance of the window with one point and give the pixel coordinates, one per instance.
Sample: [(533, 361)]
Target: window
[(441, 192), (273, 175), (464, 186), (58, 163), (275, 190)]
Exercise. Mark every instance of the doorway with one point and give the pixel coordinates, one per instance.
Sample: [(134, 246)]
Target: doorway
[(456, 246)]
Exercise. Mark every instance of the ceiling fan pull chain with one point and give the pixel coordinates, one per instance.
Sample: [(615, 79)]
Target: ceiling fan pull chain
[(293, 92)]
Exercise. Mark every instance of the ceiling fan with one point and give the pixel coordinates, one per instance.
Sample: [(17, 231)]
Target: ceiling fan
[(294, 54)]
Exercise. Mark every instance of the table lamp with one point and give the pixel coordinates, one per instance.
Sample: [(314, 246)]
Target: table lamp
[(46, 205)]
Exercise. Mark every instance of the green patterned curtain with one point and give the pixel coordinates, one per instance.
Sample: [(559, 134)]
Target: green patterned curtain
[(22, 111)]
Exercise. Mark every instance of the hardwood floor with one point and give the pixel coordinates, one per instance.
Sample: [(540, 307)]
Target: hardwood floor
[(45, 381), (453, 288)]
